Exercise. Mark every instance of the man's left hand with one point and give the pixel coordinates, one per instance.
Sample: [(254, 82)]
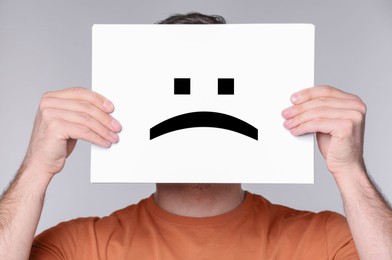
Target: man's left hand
[(337, 118)]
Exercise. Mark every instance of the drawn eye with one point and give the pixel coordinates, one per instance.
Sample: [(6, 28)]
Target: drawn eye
[(182, 86), (225, 86)]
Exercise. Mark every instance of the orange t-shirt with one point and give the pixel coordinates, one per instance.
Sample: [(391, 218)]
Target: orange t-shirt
[(256, 229)]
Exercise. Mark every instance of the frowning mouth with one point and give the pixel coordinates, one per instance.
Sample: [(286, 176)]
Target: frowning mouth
[(204, 119)]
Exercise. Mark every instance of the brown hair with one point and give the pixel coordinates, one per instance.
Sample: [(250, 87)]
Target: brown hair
[(193, 18)]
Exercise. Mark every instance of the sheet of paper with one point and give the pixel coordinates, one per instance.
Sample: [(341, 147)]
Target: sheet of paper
[(202, 103)]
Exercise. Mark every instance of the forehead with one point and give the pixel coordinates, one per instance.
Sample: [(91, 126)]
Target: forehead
[(140, 63)]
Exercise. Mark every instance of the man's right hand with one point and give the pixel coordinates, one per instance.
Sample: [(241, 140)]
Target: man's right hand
[(63, 117)]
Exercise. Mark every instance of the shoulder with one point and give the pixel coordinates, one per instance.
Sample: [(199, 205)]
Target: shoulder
[(285, 213), (63, 240), (324, 231), (60, 241)]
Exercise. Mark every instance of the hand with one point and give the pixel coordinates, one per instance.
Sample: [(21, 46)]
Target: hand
[(337, 118), (63, 117)]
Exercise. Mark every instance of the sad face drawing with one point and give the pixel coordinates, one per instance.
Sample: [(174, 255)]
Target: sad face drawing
[(182, 86)]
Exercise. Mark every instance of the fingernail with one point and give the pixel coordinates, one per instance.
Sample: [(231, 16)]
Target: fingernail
[(295, 97), (286, 111), (287, 123), (108, 105), (294, 131), (113, 136), (116, 126)]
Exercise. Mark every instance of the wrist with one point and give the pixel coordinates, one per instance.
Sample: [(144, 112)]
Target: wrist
[(347, 170), (36, 179), (352, 178), (37, 166)]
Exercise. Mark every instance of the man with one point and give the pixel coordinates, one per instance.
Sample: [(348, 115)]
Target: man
[(198, 221)]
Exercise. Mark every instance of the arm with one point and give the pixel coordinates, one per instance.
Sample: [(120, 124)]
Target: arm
[(338, 119), (20, 208), (63, 117), (368, 214)]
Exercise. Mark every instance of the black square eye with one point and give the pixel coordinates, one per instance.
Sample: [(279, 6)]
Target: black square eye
[(225, 86), (182, 86)]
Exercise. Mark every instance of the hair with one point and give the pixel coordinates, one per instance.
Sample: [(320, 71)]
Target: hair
[(193, 18)]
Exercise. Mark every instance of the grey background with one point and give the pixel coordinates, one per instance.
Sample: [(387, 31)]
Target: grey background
[(46, 45)]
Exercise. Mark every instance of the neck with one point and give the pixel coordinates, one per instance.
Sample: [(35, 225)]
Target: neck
[(198, 200)]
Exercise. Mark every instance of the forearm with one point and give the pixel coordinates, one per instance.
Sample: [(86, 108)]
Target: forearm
[(20, 210), (368, 214)]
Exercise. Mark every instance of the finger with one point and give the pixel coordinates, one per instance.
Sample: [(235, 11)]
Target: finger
[(79, 93), (75, 131), (323, 102), (82, 106), (81, 119), (319, 92), (323, 113), (335, 127)]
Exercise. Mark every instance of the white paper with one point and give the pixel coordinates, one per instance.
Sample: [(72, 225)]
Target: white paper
[(135, 66)]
